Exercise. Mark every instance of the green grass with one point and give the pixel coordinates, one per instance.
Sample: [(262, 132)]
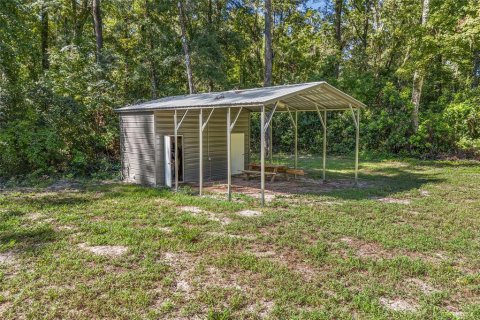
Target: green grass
[(339, 254)]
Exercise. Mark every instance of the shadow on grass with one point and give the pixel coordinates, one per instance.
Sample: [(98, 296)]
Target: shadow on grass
[(28, 239), (380, 183), (10, 214), (43, 201)]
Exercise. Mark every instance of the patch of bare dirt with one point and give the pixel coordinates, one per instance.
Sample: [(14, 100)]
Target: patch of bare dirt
[(262, 308), (313, 201), (191, 209), (189, 282), (233, 236), (39, 218), (192, 276), (196, 211), (34, 216), (214, 278), (249, 213), (165, 229), (4, 307), (366, 249), (421, 285), (7, 258), (64, 185), (394, 200), (220, 191), (108, 251), (424, 193), (223, 220), (290, 259), (183, 264), (281, 188), (455, 311), (162, 201), (65, 228), (374, 250), (399, 305)]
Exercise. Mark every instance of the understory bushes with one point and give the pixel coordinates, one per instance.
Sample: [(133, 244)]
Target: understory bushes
[(445, 129), (49, 134)]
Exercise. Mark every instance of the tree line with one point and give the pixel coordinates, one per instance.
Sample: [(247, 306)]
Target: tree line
[(65, 65)]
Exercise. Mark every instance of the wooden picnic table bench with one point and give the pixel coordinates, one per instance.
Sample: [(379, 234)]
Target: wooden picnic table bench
[(268, 167), (271, 170), (294, 172), (256, 173)]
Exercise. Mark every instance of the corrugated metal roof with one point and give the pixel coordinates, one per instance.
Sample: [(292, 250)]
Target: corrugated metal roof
[(303, 96)]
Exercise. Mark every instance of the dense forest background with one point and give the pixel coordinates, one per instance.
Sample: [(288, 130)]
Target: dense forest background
[(65, 65)]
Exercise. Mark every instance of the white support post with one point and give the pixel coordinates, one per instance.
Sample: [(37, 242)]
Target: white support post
[(323, 120), (356, 120), (269, 120), (262, 155), (175, 130), (230, 126), (201, 126), (271, 141), (296, 139), (357, 142), (200, 156), (324, 144), (229, 156)]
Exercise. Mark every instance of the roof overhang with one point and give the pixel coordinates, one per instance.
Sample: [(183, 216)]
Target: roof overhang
[(311, 96)]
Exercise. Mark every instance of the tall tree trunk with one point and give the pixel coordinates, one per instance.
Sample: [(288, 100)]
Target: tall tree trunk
[(256, 37), (148, 40), (44, 37), (267, 82), (416, 96), (476, 68), (97, 23), (338, 35), (153, 69), (418, 76), (79, 18), (366, 25), (211, 29), (186, 52)]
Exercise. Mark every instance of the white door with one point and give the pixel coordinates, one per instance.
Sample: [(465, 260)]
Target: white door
[(238, 152), (168, 164)]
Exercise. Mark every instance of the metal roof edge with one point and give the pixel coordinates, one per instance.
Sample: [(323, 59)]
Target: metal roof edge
[(349, 97), (328, 87), (310, 85), (313, 85), (122, 110)]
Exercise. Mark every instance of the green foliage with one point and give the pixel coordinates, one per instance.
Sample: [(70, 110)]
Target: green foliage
[(388, 125), (61, 118)]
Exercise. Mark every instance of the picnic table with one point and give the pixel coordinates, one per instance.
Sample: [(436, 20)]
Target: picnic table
[(271, 170)]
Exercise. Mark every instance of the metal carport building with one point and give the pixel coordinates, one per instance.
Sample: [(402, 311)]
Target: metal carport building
[(170, 140)]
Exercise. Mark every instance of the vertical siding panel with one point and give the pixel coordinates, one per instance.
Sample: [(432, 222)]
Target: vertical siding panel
[(137, 147), (214, 140)]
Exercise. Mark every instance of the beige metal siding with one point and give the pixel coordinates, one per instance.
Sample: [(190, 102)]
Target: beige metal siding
[(214, 142), (137, 147)]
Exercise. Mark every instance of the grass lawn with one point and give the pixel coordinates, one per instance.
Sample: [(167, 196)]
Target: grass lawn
[(404, 245)]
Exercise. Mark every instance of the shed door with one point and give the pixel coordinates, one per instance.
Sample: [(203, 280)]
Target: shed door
[(170, 159), (168, 162), (238, 152)]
